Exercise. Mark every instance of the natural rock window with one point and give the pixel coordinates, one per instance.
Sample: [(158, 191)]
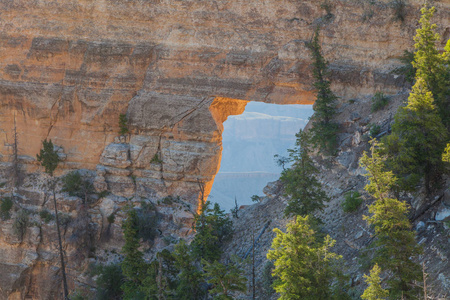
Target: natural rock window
[(250, 141)]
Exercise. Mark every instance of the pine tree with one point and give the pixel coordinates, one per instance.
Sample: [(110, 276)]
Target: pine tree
[(374, 290), (395, 246), (305, 191), (49, 159), (303, 266), (160, 280), (190, 278), (133, 265), (212, 227), (431, 65), (417, 140), (225, 279), (324, 129)]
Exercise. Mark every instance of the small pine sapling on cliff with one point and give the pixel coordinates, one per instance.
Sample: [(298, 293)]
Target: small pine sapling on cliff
[(123, 124)]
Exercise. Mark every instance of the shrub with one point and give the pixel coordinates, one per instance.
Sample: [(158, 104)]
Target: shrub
[(398, 7), (327, 6), (64, 219), (46, 216), (5, 208), (147, 221), (379, 101), (374, 130), (102, 194), (156, 159), (256, 198), (111, 218), (75, 185), (109, 281), (352, 202), (268, 279), (21, 223), (368, 14), (167, 200), (407, 69), (123, 124)]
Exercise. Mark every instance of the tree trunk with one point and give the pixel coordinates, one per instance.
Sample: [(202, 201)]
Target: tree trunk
[(61, 253)]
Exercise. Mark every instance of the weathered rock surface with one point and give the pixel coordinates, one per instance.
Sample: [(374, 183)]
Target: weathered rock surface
[(69, 68)]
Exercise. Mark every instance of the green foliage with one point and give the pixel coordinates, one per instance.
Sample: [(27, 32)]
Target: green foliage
[(267, 279), (305, 191), (395, 246), (111, 218), (432, 66), (352, 202), (48, 157), (147, 221), (75, 185), (374, 291), (324, 129), (77, 295), (375, 130), (160, 281), (190, 278), (281, 161), (303, 265), (379, 101), (102, 194), (399, 9), (167, 200), (256, 198), (368, 14), (21, 223), (213, 228), (155, 159), (123, 124), (408, 70), (225, 279), (417, 140), (446, 154), (133, 265), (109, 281), (328, 7), (6, 205), (46, 216), (64, 219)]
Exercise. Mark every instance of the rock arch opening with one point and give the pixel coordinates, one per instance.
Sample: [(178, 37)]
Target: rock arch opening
[(252, 133)]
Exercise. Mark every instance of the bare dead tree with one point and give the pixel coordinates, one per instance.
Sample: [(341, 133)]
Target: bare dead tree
[(425, 275), (201, 186), (253, 266), (14, 172)]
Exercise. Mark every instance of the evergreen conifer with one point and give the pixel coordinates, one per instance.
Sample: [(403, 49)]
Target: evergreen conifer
[(324, 129), (395, 246)]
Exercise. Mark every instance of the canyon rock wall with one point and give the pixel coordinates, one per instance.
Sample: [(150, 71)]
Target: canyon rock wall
[(177, 69), (69, 68)]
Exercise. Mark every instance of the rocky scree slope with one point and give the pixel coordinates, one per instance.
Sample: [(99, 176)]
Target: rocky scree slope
[(351, 232)]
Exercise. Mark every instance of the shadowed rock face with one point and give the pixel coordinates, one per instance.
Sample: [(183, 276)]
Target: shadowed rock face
[(69, 68)]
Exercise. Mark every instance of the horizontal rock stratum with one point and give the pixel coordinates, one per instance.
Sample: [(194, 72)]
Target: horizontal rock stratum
[(177, 69), (68, 69)]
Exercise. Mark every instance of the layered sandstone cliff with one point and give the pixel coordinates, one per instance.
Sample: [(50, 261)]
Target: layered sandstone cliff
[(177, 69)]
